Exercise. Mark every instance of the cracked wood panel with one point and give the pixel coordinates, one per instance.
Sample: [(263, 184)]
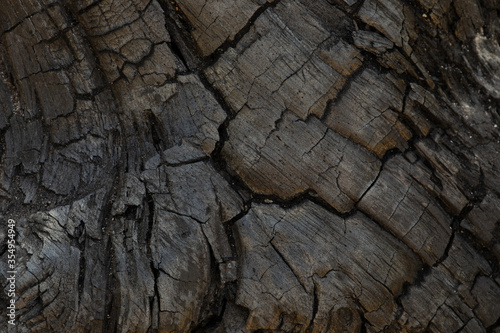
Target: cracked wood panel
[(215, 22), (249, 166), (291, 256)]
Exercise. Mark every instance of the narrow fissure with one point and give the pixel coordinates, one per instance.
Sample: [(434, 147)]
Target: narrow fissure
[(478, 195), (214, 57), (82, 269), (315, 308), (214, 303), (111, 310), (154, 307)]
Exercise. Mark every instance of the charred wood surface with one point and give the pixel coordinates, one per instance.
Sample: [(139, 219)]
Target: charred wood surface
[(251, 166)]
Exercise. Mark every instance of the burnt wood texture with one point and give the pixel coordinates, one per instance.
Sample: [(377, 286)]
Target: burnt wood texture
[(248, 166)]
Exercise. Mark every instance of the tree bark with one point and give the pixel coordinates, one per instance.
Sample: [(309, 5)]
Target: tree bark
[(251, 165)]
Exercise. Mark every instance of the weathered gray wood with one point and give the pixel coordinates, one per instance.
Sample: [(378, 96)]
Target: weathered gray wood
[(249, 166), (297, 156), (291, 256), (377, 126), (215, 22)]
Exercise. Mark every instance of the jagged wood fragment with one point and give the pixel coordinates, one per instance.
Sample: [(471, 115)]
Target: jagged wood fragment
[(286, 59), (408, 209), (368, 113), (217, 21), (308, 247), (296, 156), (450, 285)]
